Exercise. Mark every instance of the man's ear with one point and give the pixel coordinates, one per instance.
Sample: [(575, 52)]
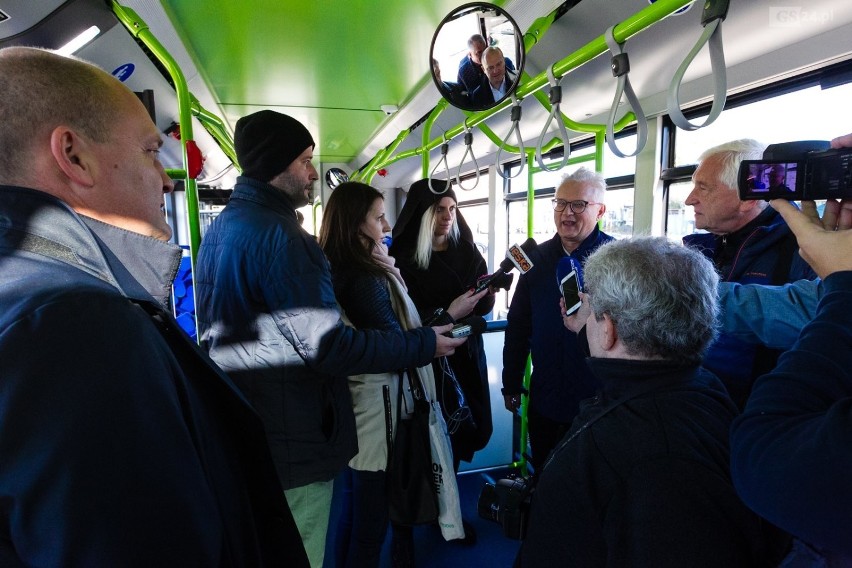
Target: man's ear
[(748, 205), (609, 335), (601, 211), (73, 155)]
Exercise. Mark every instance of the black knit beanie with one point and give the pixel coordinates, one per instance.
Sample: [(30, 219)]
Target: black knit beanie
[(267, 142)]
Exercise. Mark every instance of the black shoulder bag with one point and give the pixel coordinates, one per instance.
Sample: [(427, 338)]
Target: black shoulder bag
[(411, 492)]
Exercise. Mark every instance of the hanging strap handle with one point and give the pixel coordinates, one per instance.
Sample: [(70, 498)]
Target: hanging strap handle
[(444, 149), (468, 142), (714, 12), (516, 122), (620, 68), (555, 100)]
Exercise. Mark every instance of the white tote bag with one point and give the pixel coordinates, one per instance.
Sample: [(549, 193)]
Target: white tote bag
[(449, 508)]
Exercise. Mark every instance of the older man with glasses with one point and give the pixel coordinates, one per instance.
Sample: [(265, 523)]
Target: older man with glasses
[(560, 378)]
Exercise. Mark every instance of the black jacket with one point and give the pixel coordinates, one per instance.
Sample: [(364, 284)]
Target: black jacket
[(642, 478)]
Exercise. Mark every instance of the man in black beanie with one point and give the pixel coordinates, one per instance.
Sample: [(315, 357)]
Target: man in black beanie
[(268, 316)]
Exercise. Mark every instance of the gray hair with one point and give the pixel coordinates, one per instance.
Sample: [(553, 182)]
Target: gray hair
[(731, 154), (476, 38), (423, 252), (40, 90), (587, 177), (661, 296)]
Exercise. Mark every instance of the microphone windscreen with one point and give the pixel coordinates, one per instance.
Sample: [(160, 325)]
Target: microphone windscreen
[(506, 265), (529, 245), (477, 323)]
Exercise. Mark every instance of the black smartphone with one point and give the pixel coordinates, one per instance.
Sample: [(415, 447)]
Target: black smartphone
[(571, 292)]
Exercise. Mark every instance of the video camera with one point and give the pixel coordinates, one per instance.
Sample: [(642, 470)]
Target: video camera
[(795, 171), (507, 503)]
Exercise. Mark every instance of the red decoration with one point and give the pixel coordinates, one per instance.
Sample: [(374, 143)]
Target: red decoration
[(382, 172), (195, 161)]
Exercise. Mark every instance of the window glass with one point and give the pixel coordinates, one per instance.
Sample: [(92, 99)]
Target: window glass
[(476, 217), (769, 121), (618, 219), (613, 166), (543, 225), (480, 191), (680, 218)]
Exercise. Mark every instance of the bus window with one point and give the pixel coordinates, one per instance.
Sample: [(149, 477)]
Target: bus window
[(768, 120), (618, 219), (680, 218)]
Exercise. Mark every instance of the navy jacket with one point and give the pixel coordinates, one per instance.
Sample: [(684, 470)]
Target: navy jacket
[(482, 96), (762, 252), (470, 73), (268, 316), (121, 443), (791, 450), (560, 377)]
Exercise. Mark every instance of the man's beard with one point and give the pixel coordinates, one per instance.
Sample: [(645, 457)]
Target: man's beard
[(294, 189)]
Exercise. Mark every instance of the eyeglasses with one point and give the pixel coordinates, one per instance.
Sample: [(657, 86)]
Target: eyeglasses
[(577, 206)]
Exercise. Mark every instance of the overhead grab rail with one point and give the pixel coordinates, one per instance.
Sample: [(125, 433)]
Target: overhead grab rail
[(468, 142), (555, 99), (516, 128), (444, 149), (714, 13), (629, 27), (620, 64), (215, 127)]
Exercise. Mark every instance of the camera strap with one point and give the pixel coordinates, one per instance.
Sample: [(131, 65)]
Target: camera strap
[(569, 438)]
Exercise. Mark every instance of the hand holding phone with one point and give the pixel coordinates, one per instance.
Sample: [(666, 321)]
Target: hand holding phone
[(570, 286)]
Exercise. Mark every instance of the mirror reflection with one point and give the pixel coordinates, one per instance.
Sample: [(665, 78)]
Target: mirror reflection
[(477, 56), (334, 177)]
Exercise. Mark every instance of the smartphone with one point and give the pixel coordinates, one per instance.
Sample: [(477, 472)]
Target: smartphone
[(571, 292)]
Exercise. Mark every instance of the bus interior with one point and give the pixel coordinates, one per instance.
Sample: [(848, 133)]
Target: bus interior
[(361, 77)]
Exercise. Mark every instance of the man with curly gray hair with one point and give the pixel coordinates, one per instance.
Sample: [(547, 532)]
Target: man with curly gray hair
[(642, 477)]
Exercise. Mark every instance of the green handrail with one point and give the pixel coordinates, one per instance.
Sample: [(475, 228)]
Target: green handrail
[(214, 125), (631, 26), (139, 29)]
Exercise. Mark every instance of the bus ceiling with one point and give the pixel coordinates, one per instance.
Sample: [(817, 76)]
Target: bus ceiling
[(359, 75)]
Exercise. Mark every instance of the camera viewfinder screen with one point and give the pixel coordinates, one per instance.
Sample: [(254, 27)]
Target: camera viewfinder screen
[(774, 179)]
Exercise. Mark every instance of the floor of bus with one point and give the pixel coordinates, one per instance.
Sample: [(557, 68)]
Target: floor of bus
[(492, 549)]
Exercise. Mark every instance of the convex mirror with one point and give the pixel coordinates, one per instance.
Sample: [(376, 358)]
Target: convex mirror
[(334, 177), (477, 56)]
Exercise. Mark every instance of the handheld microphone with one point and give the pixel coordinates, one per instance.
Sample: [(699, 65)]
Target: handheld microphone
[(516, 257), (471, 325)]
